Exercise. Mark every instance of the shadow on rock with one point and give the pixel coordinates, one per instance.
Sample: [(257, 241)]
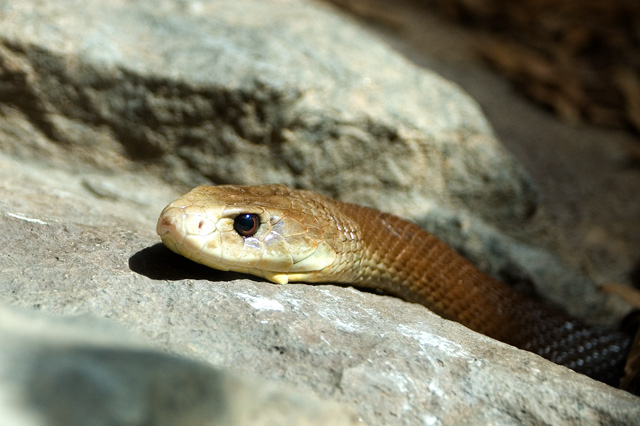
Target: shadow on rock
[(159, 263)]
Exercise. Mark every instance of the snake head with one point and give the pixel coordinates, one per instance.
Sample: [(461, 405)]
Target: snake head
[(259, 230)]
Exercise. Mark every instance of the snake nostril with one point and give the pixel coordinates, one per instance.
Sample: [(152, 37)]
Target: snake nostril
[(202, 227)]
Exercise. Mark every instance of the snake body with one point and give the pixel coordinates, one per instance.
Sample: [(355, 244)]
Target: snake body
[(287, 235)]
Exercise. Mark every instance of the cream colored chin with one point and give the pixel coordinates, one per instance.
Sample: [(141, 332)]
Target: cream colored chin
[(169, 240)]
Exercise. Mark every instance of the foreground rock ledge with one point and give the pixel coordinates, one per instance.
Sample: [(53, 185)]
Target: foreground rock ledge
[(69, 251), (80, 371)]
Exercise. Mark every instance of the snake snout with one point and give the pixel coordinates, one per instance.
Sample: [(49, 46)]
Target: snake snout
[(186, 233), (165, 226), (183, 225)]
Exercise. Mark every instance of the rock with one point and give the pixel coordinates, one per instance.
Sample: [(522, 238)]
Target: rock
[(80, 371), (249, 92), (99, 109), (70, 252)]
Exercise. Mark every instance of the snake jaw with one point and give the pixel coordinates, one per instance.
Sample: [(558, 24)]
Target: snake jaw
[(322, 257)]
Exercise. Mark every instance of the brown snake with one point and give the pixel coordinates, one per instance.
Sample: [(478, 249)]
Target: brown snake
[(286, 235)]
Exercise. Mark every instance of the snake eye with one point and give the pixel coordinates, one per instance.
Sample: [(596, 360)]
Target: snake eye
[(246, 224)]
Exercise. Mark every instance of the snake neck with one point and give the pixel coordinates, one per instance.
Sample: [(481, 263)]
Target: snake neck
[(406, 261)]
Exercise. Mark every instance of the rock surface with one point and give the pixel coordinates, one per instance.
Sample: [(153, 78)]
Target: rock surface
[(390, 362), (79, 371), (214, 91), (100, 109), (585, 175)]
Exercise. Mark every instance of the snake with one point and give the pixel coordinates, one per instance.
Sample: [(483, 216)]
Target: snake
[(292, 235)]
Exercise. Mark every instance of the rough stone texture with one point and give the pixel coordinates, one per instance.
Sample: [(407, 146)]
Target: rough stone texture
[(249, 92), (79, 372), (98, 107), (69, 251)]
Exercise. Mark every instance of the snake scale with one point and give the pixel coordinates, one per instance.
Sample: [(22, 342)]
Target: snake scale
[(287, 235)]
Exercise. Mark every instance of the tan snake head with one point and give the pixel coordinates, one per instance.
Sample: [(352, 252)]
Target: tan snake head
[(269, 231)]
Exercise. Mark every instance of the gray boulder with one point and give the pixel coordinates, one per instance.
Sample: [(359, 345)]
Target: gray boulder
[(250, 92)]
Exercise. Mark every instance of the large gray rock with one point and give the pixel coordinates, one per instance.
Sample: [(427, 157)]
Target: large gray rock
[(68, 251), (249, 92)]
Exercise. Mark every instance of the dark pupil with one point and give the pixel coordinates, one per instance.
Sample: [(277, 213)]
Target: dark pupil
[(246, 224)]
